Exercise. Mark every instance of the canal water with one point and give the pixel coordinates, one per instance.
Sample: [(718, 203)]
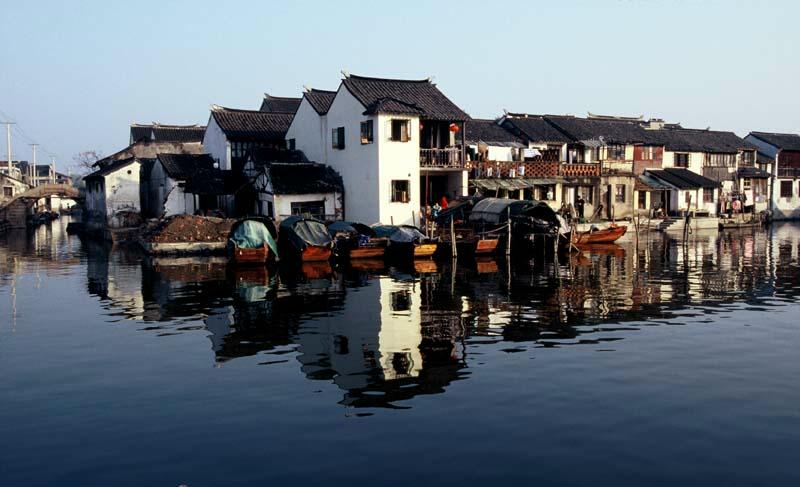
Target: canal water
[(662, 363)]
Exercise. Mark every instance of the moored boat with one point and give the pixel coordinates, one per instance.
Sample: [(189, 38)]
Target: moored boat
[(406, 241), (252, 241), (305, 239), (604, 236), (356, 241)]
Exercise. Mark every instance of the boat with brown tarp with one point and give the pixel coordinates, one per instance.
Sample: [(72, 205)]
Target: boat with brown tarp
[(304, 239), (406, 241)]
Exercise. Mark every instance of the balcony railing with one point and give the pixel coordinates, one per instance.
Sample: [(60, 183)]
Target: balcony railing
[(789, 172), (449, 158), (617, 167), (579, 170)]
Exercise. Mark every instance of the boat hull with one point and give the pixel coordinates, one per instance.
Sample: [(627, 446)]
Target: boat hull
[(244, 256), (315, 254), (424, 250), (605, 236)]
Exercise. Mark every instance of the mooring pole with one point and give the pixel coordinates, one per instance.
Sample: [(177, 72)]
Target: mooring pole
[(508, 238), (453, 251)]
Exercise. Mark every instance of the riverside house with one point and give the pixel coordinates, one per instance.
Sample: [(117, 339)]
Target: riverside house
[(781, 153), (396, 143)]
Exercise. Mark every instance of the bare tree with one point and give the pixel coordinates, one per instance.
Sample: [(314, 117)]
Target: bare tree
[(86, 159)]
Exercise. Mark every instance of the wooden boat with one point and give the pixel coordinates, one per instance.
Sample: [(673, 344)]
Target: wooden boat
[(305, 239), (607, 235), (245, 237), (406, 241), (423, 250), (486, 246), (356, 241)]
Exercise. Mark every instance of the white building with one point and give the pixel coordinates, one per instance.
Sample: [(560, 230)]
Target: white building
[(285, 183), (780, 154), (396, 143), (683, 190), (166, 185), (112, 194)]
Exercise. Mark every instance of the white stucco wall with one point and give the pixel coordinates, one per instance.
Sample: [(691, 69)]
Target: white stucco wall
[(283, 203), (678, 201), (216, 144), (398, 161), (310, 132), (786, 208), (357, 163), (122, 189)]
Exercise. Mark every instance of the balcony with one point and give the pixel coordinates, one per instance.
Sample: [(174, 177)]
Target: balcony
[(617, 167), (449, 158), (789, 172), (580, 170)]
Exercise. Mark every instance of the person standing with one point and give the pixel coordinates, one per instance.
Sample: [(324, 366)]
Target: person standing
[(579, 205)]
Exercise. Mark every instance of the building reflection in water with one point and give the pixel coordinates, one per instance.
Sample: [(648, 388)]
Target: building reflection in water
[(386, 335)]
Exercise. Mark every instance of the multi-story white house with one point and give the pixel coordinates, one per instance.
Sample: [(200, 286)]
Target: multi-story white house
[(396, 143), (780, 153)]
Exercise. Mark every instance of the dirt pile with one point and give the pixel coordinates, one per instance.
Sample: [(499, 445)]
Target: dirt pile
[(189, 228)]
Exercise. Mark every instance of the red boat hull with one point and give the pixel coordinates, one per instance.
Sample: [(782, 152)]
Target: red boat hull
[(608, 235)]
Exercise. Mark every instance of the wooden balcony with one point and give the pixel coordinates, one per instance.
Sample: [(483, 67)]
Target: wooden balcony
[(448, 158), (617, 167), (789, 172)]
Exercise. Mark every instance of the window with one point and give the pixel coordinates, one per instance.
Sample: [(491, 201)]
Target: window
[(647, 153), (682, 160), (546, 192), (337, 138), (615, 152), (642, 200), (314, 208), (291, 144), (746, 184), (708, 195), (366, 132), (400, 192), (400, 130), (8, 191), (619, 194), (786, 189), (587, 194), (720, 160), (239, 149), (748, 158)]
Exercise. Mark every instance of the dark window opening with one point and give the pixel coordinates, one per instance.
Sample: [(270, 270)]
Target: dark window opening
[(786, 189), (315, 209), (400, 191), (366, 132), (400, 130), (337, 138), (619, 195), (681, 160)]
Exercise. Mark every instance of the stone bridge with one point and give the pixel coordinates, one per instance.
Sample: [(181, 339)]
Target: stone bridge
[(15, 212)]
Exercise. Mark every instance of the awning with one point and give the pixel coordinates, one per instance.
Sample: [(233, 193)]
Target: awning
[(649, 183), (752, 172), (510, 184)]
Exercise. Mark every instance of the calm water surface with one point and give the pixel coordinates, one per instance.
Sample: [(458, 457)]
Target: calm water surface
[(656, 364)]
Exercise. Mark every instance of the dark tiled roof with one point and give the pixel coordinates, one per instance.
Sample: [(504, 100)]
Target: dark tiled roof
[(110, 168), (407, 95), (762, 158), (752, 172), (320, 100), (279, 104), (178, 133), (139, 132), (535, 128), (262, 156), (781, 141), (250, 124), (682, 178), (303, 178), (183, 166), (690, 140), (490, 133), (612, 131), (393, 105)]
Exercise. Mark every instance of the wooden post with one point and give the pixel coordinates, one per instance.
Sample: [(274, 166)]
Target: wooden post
[(508, 238), (453, 251)]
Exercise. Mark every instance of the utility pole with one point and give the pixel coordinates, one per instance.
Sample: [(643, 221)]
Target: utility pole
[(53, 169), (32, 168), (8, 141)]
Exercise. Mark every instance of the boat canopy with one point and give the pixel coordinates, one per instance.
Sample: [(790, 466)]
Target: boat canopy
[(352, 228), (305, 232), (399, 233), (253, 233), (494, 211)]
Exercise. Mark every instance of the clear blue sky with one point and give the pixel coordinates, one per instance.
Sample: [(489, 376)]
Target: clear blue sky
[(74, 75)]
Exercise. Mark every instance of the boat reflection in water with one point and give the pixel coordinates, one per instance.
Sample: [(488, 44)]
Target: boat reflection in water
[(385, 334)]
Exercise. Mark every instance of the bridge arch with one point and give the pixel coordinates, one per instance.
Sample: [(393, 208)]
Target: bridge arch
[(15, 212)]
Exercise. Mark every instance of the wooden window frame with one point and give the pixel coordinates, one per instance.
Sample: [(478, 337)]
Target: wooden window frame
[(708, 195), (396, 194), (684, 164), (620, 196), (790, 186), (337, 138), (403, 135), (367, 132)]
